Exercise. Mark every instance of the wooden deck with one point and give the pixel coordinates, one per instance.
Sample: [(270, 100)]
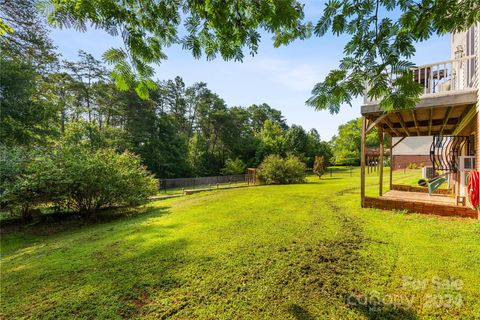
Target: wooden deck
[(418, 202), (420, 197)]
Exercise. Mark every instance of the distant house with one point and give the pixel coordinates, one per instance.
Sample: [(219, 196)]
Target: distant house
[(412, 150)]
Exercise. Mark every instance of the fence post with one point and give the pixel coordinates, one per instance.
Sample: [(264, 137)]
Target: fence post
[(193, 183)]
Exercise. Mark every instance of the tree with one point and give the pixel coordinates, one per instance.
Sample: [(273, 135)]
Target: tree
[(27, 53), (319, 166), (381, 44), (173, 94), (296, 141), (25, 119), (263, 112), (317, 147), (381, 40), (234, 166), (26, 37), (88, 71), (148, 26), (59, 89), (346, 144), (272, 140)]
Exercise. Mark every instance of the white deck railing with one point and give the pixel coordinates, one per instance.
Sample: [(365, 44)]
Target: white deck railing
[(441, 78)]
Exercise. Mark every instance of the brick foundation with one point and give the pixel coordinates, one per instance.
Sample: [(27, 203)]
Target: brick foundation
[(402, 161), (402, 187), (420, 207)]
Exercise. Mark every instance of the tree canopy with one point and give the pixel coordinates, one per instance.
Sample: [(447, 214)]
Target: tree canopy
[(180, 131), (147, 27), (346, 143), (382, 36)]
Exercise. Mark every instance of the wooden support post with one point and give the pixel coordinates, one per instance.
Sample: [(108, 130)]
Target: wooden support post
[(380, 160), (362, 162), (391, 161)]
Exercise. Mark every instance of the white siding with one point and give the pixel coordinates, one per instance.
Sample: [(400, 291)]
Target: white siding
[(413, 146)]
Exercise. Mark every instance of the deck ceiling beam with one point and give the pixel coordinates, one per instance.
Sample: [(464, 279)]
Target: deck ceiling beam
[(425, 123), (376, 122), (414, 116), (445, 121), (394, 127), (430, 121), (391, 126), (464, 118), (402, 123)]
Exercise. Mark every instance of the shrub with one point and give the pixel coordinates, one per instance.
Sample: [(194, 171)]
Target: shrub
[(412, 165), (79, 179), (16, 191), (319, 166), (277, 170), (236, 166), (91, 180)]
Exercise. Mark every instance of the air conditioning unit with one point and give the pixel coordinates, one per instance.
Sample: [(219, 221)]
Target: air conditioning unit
[(428, 173), (466, 163)]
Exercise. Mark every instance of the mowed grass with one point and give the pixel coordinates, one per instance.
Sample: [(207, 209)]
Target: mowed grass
[(272, 252), (410, 177)]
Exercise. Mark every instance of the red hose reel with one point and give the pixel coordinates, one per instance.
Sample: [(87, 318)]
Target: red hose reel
[(474, 188)]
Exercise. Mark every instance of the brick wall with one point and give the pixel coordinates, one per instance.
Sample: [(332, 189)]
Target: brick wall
[(476, 85), (420, 207), (402, 161)]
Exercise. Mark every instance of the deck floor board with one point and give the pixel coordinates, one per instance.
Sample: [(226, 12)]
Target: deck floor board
[(419, 197)]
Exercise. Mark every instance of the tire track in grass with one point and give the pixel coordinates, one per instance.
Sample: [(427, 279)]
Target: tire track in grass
[(332, 269)]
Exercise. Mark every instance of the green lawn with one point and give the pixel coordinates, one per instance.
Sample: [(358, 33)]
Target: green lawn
[(410, 177), (285, 252)]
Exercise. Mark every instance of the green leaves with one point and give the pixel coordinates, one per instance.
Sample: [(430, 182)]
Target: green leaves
[(114, 56), (277, 170), (5, 28), (74, 178), (213, 28), (143, 87), (334, 91), (376, 57)]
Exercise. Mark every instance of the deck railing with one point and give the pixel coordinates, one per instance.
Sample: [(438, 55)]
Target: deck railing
[(443, 77)]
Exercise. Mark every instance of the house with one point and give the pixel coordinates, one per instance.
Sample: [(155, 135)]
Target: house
[(411, 150), (447, 115)]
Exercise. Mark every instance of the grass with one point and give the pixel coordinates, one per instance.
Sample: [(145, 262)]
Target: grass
[(271, 252), (410, 177), (226, 185)]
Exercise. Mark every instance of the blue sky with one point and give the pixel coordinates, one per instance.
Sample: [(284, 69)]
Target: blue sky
[(282, 77)]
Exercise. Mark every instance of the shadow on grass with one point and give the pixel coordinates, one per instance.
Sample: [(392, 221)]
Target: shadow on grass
[(300, 313), (51, 224), (114, 270)]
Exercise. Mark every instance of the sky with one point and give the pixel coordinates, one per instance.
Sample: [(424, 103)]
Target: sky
[(281, 77)]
